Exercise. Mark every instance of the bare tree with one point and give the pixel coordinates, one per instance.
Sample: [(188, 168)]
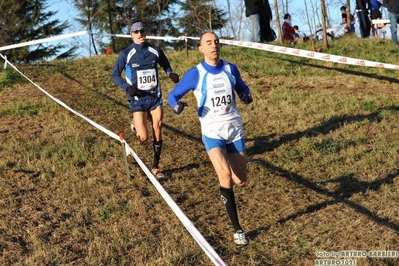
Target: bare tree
[(285, 4), (348, 16), (323, 18), (229, 14), (308, 20), (280, 33), (236, 20)]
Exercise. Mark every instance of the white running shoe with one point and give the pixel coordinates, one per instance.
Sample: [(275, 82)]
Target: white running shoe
[(240, 238), (132, 128), (157, 173)]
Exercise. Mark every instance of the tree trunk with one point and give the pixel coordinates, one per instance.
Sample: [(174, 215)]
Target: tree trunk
[(348, 16), (323, 19), (309, 23), (280, 33)]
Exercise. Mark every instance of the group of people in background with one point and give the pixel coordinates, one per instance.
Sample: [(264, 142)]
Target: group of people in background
[(369, 10), (260, 15)]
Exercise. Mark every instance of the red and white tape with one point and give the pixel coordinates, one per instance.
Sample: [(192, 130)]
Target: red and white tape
[(310, 54)]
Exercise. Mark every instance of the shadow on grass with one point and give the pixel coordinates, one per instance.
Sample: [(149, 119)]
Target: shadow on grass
[(348, 186), (105, 96), (346, 71), (181, 133), (262, 144), (188, 167)]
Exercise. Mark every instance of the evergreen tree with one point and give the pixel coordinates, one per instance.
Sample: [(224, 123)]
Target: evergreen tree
[(115, 16), (23, 21)]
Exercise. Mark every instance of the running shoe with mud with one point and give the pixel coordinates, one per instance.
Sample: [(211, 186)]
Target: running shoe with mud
[(157, 172)]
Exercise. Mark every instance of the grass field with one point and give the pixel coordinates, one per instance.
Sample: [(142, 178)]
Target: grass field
[(322, 143)]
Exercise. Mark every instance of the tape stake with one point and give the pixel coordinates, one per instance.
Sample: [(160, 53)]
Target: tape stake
[(5, 62), (122, 137)]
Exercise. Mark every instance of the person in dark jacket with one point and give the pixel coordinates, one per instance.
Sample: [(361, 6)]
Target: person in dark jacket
[(142, 86), (266, 32), (362, 11), (252, 11), (393, 8), (260, 15)]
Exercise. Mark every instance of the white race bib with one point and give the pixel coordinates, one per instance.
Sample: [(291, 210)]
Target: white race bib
[(219, 96), (146, 79)]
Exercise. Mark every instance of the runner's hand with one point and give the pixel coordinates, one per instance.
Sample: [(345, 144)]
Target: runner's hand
[(178, 108), (133, 91), (246, 98), (174, 77)]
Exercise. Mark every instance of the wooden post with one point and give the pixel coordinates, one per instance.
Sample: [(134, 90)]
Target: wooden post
[(122, 137), (185, 39)]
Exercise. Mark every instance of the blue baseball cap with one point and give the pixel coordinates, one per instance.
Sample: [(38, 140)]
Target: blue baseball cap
[(138, 26)]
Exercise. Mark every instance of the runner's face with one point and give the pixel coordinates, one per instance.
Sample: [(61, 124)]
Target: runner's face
[(210, 46), (139, 36)]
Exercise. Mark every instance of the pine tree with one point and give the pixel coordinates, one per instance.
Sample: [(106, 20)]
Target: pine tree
[(23, 21), (115, 17)]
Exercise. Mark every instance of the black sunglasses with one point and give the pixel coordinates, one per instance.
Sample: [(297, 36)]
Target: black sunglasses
[(137, 31)]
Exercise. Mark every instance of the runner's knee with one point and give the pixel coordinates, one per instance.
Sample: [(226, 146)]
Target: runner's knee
[(142, 138), (241, 183)]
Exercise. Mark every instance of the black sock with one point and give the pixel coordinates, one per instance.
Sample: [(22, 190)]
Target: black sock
[(156, 148), (228, 199)]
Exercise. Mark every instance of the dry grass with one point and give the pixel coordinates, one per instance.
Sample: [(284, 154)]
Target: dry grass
[(322, 155)]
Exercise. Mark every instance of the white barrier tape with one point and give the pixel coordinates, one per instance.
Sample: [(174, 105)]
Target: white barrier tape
[(266, 47), (378, 21), (179, 213), (103, 129), (50, 39), (193, 38), (148, 37), (310, 54)]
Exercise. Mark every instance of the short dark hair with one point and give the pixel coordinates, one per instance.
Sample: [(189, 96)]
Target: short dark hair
[(202, 35), (286, 16), (296, 27), (343, 8)]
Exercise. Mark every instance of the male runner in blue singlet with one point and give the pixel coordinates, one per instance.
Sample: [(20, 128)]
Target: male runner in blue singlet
[(142, 86), (213, 82)]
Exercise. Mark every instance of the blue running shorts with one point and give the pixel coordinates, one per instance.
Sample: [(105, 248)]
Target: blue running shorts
[(147, 104), (233, 147)]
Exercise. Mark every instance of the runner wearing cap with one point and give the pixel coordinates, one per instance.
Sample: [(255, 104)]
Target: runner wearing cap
[(142, 86)]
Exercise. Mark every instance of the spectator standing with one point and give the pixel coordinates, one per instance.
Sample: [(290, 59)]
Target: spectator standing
[(393, 8), (362, 11), (287, 29), (252, 11), (142, 86), (266, 32), (344, 21), (215, 83)]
